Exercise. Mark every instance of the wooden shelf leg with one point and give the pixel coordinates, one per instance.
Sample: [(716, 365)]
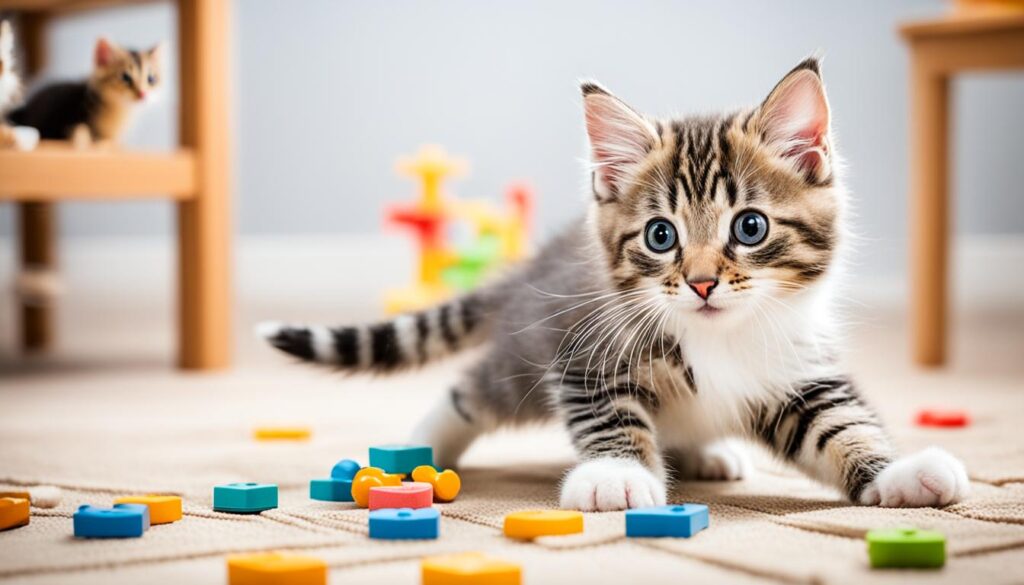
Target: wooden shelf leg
[(929, 213), (38, 250), (204, 222)]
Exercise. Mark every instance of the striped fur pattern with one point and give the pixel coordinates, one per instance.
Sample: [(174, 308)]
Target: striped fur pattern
[(693, 305), (100, 107)]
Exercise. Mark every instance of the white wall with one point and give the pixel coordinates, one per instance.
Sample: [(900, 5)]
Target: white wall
[(329, 92)]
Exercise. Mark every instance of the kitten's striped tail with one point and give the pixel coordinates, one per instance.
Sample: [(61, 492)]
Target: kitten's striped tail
[(409, 340)]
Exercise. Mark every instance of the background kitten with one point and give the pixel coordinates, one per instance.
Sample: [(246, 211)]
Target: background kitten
[(10, 84), (98, 108)]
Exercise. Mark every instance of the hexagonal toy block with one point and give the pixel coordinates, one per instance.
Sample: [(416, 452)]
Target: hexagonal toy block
[(446, 483), (276, 569), (471, 568), (244, 498), (162, 509), (408, 495), (533, 523), (906, 548), (401, 458), (405, 523), (371, 477), (14, 512), (121, 521), (338, 487), (682, 520)]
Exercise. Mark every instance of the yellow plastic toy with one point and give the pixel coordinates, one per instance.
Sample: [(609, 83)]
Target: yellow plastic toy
[(282, 433), (162, 509), (14, 512), (500, 236), (534, 523), (446, 483), (367, 478), (471, 568), (276, 569)]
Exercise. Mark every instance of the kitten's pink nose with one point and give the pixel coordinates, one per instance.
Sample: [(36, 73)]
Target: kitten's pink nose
[(703, 288)]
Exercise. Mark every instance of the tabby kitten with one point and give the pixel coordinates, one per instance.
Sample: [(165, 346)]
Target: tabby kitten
[(10, 84), (692, 306), (99, 108)]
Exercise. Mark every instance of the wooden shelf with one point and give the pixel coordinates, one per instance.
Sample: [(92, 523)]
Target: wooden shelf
[(965, 23), (56, 171)]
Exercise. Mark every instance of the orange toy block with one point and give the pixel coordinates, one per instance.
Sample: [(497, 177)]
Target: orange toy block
[(276, 569), (408, 495), (534, 523), (470, 568), (281, 433), (13, 512), (371, 477), (446, 483), (162, 509)]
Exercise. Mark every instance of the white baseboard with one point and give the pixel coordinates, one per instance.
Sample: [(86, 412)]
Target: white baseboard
[(354, 270)]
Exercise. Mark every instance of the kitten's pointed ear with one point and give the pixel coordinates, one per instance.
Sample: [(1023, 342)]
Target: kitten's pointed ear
[(795, 120), (104, 54), (620, 138), (158, 50)]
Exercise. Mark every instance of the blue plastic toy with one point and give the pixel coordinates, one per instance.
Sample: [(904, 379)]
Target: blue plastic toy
[(244, 498), (121, 521), (338, 487), (401, 458), (683, 520), (405, 523)]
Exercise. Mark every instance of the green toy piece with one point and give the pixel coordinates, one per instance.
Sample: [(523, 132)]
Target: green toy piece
[(906, 548), (473, 263)]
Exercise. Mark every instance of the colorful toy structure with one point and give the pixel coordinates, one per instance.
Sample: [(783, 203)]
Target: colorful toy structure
[(500, 236)]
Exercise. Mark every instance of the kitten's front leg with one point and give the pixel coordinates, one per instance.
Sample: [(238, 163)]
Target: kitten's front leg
[(613, 433), (827, 430)]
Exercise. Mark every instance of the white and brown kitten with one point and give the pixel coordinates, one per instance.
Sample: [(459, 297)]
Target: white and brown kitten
[(10, 83), (98, 108), (693, 305)]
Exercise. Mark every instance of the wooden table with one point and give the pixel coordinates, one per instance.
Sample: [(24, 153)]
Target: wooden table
[(939, 50), (196, 177)]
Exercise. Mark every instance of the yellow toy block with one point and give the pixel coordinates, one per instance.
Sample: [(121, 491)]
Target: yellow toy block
[(162, 509), (446, 483), (282, 433), (431, 165), (415, 298), (276, 569), (13, 512), (534, 523), (367, 478), (470, 568)]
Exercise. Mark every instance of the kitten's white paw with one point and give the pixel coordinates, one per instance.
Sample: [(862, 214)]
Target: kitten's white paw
[(606, 484), (931, 477), (723, 461)]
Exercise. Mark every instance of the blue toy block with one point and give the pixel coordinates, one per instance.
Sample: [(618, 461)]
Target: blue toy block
[(401, 458), (345, 469), (121, 521), (683, 520), (244, 498), (338, 487), (405, 523)]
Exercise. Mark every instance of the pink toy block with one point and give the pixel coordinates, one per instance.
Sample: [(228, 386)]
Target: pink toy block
[(413, 494)]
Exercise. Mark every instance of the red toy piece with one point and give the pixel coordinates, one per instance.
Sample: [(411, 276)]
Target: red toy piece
[(408, 495), (943, 418)]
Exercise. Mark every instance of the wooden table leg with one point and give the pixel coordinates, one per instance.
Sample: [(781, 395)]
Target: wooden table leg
[(929, 212), (38, 231), (204, 340)]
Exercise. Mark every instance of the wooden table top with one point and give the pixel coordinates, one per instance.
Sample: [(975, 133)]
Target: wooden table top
[(965, 23)]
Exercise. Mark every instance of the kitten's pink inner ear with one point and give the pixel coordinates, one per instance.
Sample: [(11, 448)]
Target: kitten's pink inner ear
[(796, 117), (104, 53), (619, 138)]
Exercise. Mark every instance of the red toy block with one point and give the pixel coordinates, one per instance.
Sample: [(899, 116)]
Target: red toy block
[(943, 418), (413, 494)]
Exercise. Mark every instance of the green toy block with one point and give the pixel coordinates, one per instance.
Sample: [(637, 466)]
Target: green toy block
[(244, 498), (401, 458), (906, 548)]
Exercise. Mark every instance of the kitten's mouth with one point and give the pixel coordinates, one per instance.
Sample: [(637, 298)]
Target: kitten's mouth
[(708, 310)]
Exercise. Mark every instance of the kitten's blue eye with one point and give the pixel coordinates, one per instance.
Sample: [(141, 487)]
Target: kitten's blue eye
[(126, 78), (151, 79), (750, 227), (660, 235)]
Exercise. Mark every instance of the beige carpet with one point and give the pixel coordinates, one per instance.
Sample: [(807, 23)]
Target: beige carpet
[(106, 416)]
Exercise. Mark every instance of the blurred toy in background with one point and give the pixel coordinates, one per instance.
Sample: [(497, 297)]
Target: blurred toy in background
[(99, 108), (10, 92), (499, 236)]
